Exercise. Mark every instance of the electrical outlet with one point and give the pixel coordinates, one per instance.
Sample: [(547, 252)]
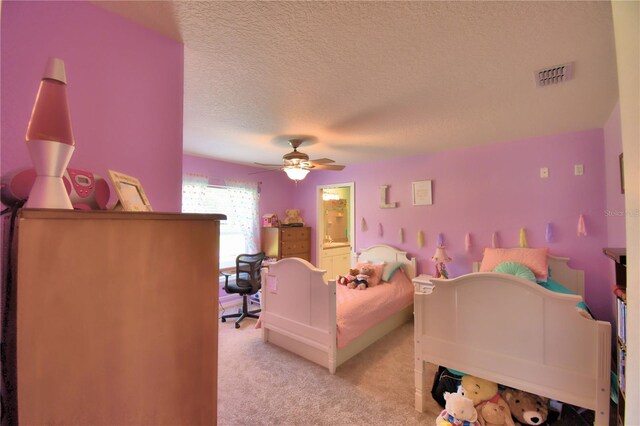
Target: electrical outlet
[(544, 172), (578, 169)]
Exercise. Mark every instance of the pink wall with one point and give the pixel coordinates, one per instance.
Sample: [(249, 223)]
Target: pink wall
[(485, 189), (614, 207), (124, 86)]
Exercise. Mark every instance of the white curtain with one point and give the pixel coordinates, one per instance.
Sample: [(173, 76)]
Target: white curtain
[(243, 200), (194, 187)]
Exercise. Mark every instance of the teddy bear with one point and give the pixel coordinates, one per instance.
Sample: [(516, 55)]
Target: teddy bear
[(292, 216), (492, 414), (458, 410), (362, 279), (480, 390), (346, 279), (527, 408)]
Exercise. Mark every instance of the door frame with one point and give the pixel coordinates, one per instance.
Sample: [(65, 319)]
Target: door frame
[(320, 216)]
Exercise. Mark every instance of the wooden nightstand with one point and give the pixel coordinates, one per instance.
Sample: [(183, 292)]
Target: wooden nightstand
[(422, 283)]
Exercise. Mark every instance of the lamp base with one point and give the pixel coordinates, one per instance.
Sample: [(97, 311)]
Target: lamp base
[(48, 192), (50, 160)]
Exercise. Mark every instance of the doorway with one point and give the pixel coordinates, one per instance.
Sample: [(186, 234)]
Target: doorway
[(335, 230)]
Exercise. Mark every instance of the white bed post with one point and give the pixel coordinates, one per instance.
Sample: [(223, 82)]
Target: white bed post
[(603, 379), (419, 373), (263, 302), (333, 332)]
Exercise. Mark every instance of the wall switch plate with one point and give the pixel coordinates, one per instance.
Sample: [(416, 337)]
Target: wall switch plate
[(544, 172), (578, 169)]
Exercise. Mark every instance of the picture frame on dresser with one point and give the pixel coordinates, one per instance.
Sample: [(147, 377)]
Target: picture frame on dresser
[(131, 196)]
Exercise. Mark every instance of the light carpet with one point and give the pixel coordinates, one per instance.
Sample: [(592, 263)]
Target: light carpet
[(262, 384)]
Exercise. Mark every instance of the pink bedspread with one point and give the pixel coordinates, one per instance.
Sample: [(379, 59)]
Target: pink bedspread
[(359, 310)]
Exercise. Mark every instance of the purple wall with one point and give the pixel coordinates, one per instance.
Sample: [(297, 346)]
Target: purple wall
[(124, 87), (614, 207), (485, 189)]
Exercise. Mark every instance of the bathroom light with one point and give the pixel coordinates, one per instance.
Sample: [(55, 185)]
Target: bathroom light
[(50, 139), (328, 196), (296, 173)]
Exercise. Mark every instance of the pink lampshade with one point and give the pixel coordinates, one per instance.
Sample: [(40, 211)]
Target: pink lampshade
[(441, 255)]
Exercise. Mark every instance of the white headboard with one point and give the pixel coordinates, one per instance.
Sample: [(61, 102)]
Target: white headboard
[(573, 279), (388, 254)]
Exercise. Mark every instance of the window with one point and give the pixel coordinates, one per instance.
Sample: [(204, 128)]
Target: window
[(239, 202)]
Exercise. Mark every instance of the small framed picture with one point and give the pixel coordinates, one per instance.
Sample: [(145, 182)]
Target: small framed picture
[(421, 193), (131, 196)]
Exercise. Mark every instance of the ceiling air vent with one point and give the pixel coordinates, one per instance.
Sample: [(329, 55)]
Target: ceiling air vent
[(554, 75)]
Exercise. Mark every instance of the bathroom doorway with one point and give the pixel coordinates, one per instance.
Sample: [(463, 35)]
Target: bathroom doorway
[(335, 231)]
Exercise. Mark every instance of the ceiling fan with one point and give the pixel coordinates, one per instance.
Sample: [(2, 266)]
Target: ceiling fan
[(296, 164)]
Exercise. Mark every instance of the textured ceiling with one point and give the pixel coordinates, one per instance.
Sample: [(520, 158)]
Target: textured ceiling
[(375, 80)]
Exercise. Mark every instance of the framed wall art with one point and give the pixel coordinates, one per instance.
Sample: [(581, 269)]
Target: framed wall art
[(421, 193)]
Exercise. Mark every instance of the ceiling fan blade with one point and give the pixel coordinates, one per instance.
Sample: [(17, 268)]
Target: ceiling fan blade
[(322, 161), (268, 165), (328, 167)]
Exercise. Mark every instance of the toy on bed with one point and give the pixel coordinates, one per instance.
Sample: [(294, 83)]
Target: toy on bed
[(481, 391), (527, 408), (458, 410), (492, 414), (346, 279), (362, 279)]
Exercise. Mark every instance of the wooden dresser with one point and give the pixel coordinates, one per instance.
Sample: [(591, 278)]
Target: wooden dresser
[(293, 241), (116, 317)]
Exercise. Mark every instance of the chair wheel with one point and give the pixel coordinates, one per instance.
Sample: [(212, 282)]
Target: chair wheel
[(223, 320), (237, 325)]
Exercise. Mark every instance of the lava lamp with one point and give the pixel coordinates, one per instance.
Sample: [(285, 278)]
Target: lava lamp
[(50, 140)]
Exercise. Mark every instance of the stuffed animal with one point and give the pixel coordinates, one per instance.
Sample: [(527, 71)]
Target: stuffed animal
[(492, 414), (346, 279), (293, 216), (527, 408), (458, 411), (362, 279), (480, 390)]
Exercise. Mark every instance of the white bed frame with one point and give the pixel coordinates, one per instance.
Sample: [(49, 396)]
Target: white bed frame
[(514, 332), (299, 308)]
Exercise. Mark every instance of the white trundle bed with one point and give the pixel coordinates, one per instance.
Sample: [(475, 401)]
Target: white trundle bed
[(299, 308), (515, 332)]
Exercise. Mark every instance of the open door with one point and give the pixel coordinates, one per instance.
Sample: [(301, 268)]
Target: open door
[(336, 228)]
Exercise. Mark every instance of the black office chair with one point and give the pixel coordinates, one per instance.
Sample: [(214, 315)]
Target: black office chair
[(247, 283)]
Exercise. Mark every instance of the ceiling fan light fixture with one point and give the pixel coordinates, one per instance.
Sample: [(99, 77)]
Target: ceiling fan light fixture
[(296, 173)]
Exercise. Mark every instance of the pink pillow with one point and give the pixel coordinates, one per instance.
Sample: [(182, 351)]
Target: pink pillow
[(534, 259), (377, 272)]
